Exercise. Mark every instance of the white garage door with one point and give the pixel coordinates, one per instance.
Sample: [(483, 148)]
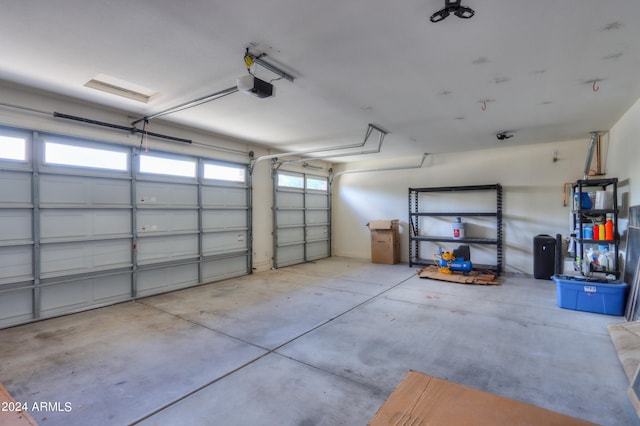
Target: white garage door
[(301, 218), (86, 224)]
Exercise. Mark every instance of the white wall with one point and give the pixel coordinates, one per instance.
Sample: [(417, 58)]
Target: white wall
[(532, 194), (624, 154), (624, 161)]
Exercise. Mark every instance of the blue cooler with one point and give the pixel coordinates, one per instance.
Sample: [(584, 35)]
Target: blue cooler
[(601, 296)]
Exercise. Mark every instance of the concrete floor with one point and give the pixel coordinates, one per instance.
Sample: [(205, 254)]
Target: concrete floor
[(322, 343)]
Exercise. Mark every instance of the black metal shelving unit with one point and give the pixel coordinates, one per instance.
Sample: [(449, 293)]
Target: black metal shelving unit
[(582, 216), (414, 223)]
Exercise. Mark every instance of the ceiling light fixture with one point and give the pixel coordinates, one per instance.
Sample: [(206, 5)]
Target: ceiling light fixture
[(122, 88), (453, 6)]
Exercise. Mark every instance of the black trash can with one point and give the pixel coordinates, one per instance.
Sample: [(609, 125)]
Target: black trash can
[(544, 256)]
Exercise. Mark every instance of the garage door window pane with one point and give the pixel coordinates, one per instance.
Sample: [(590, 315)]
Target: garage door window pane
[(317, 184), (290, 181), (71, 155), (228, 173), (12, 148), (167, 166)]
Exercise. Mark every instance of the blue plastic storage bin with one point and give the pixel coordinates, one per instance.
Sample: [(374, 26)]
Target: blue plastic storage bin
[(601, 296)]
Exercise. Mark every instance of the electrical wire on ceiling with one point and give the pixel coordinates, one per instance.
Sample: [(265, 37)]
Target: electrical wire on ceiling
[(248, 61), (257, 60)]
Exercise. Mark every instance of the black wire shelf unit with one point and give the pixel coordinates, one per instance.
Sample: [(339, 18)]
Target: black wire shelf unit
[(586, 216), (415, 215)]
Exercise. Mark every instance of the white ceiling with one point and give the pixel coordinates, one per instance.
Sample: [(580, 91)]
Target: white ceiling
[(355, 62)]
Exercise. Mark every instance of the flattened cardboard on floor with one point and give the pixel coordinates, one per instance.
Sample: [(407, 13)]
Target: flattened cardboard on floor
[(424, 400), (13, 414), (626, 339), (385, 241), (472, 277)]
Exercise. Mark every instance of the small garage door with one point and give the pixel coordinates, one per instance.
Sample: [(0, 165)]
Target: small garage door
[(86, 224), (301, 218)]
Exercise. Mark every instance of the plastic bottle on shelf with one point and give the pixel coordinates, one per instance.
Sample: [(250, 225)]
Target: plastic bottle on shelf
[(458, 229), (572, 243), (596, 231), (592, 255), (601, 232), (608, 230), (604, 260)]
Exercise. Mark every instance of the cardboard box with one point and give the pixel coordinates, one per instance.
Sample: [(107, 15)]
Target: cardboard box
[(424, 400), (385, 241), (598, 296)]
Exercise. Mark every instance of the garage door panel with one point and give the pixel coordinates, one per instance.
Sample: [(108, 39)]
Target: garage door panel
[(15, 225), (317, 233), (15, 188), (317, 217), (83, 190), (290, 235), (221, 242), (222, 219), (66, 223), (16, 307), (215, 270), (290, 199), (166, 248), (317, 201), (64, 298), (111, 289), (317, 250), (84, 256), (82, 294), (224, 196), (161, 280), (16, 263), (166, 194), (290, 255), (288, 217), (167, 221)]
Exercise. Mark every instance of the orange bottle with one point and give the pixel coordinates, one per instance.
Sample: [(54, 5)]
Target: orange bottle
[(608, 230)]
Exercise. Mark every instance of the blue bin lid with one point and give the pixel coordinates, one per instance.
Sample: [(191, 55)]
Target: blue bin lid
[(586, 280)]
